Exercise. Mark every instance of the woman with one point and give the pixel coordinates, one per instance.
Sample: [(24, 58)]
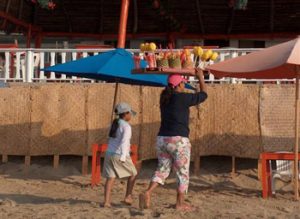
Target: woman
[(173, 145)]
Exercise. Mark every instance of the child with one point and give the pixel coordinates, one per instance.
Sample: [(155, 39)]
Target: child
[(117, 162)]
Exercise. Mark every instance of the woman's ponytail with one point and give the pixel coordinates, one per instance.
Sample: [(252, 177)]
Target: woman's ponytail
[(166, 95)]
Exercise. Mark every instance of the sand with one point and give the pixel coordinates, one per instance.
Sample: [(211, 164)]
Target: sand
[(43, 192)]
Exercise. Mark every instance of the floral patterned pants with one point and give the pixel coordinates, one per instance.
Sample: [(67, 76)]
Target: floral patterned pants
[(173, 152)]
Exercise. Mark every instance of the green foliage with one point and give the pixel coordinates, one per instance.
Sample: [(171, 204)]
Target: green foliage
[(240, 4), (43, 3)]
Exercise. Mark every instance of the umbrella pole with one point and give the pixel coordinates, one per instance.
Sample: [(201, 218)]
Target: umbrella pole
[(296, 149), (115, 101), (123, 23)]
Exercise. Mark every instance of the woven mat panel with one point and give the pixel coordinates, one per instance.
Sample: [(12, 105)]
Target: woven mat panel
[(132, 96), (150, 122), (194, 128), (99, 109), (236, 120), (228, 123), (58, 120), (15, 121), (277, 114)]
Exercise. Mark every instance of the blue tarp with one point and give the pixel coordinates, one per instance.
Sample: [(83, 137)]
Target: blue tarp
[(3, 84), (111, 66)]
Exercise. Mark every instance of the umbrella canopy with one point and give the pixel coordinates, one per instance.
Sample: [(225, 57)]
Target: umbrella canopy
[(111, 66), (277, 62)]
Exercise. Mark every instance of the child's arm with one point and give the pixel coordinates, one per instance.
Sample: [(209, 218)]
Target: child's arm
[(125, 142)]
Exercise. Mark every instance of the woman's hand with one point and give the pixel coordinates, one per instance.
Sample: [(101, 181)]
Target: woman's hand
[(199, 73), (200, 76)]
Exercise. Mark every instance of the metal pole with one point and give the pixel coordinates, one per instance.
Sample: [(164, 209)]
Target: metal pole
[(296, 165), (123, 24)]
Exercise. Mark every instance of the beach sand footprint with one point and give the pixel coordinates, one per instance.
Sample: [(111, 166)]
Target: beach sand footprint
[(123, 213), (8, 203)]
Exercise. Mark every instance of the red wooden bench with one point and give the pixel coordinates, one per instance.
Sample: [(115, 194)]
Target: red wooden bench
[(266, 177), (97, 152)]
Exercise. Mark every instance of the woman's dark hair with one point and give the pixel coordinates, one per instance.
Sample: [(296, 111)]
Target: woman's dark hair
[(115, 125), (166, 94)]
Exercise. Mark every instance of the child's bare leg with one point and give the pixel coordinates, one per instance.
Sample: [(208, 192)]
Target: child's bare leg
[(107, 194), (130, 185)]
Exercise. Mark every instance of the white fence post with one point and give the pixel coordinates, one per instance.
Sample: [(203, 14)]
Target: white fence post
[(29, 66), (74, 57), (18, 65), (84, 54), (52, 62), (42, 65), (234, 55), (211, 76), (7, 66), (222, 58), (63, 60)]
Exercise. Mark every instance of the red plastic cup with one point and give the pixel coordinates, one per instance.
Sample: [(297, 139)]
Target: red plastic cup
[(151, 60), (137, 61)]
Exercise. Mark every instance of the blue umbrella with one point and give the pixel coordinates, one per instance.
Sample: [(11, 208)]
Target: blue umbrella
[(111, 66)]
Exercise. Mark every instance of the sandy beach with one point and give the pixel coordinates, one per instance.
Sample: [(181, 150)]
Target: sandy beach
[(43, 192)]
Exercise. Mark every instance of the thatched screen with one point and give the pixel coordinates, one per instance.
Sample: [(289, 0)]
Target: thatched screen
[(236, 120)]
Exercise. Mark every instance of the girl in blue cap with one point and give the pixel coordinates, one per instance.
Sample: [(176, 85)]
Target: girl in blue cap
[(117, 161)]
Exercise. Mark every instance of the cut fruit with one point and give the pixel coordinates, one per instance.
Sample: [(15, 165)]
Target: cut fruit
[(162, 63), (174, 63), (214, 56)]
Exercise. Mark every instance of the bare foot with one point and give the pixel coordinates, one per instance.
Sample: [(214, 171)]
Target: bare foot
[(185, 207), (144, 200), (106, 205), (128, 200)]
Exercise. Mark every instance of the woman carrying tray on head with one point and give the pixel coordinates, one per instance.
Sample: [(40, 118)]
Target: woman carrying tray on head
[(173, 145)]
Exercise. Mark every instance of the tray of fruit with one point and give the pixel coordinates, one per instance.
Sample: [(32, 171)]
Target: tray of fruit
[(170, 61), (164, 70)]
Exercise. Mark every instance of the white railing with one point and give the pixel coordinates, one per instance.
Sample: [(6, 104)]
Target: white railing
[(24, 65)]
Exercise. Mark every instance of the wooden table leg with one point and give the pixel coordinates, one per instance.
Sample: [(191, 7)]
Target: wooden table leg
[(98, 169), (94, 161), (4, 158), (85, 163), (264, 178), (269, 178), (233, 167), (55, 161), (197, 165), (259, 169)]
